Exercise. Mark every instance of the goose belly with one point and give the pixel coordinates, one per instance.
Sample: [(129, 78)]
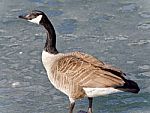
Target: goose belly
[(93, 92)]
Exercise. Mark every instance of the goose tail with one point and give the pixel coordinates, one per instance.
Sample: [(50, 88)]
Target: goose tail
[(129, 86)]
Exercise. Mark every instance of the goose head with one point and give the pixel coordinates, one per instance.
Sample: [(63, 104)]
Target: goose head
[(34, 16), (39, 17)]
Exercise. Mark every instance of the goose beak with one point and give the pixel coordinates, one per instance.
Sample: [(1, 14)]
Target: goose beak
[(21, 16), (26, 17)]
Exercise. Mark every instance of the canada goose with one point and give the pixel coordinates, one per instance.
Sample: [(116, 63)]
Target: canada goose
[(78, 74)]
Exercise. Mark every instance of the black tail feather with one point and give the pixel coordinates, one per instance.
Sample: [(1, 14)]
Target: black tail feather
[(129, 86)]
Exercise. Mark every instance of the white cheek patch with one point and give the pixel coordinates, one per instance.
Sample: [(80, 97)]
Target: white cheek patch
[(36, 20)]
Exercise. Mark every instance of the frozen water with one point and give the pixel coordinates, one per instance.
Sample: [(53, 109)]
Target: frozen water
[(129, 7), (146, 67), (144, 14), (144, 26), (115, 31)]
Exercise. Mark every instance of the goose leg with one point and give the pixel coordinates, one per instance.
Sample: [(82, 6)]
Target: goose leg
[(90, 105), (72, 104)]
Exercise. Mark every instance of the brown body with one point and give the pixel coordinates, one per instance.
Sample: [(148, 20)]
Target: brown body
[(72, 72)]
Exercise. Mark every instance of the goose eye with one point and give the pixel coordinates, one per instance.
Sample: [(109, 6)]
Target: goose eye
[(31, 16)]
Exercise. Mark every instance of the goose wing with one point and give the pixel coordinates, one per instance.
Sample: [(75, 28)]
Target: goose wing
[(94, 61), (88, 58), (86, 71)]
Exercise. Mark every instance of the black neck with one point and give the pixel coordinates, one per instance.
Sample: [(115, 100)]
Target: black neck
[(50, 45)]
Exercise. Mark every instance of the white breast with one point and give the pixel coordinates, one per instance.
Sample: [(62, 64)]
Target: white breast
[(48, 60), (93, 92)]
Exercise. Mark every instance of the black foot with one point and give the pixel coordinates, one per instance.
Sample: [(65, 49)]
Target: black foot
[(82, 111)]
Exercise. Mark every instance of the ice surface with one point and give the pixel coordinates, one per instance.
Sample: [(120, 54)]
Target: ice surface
[(114, 31)]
